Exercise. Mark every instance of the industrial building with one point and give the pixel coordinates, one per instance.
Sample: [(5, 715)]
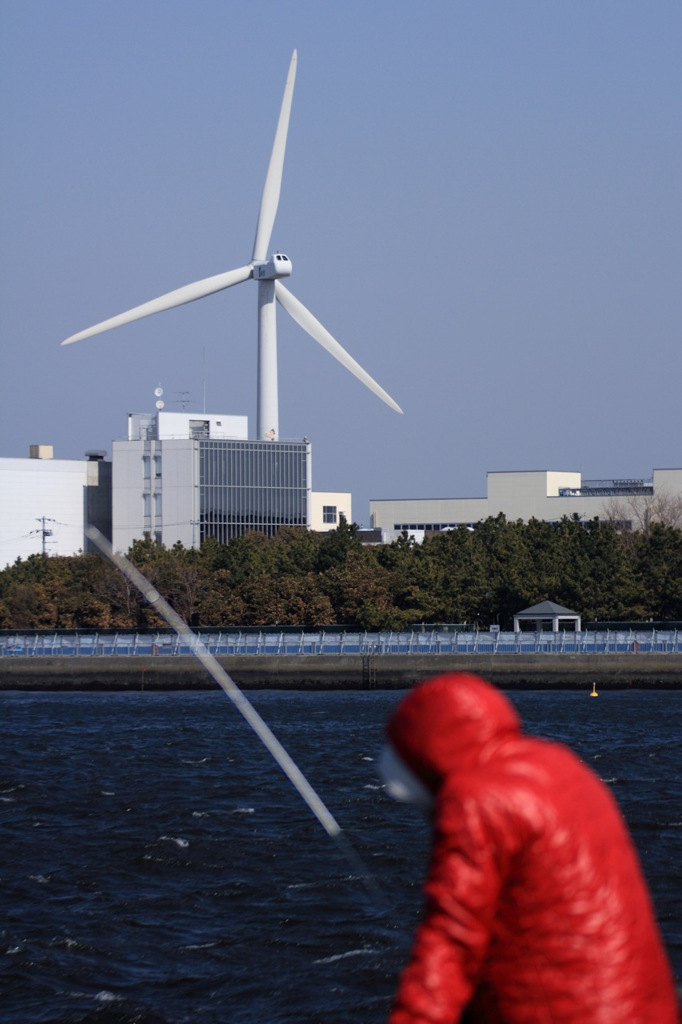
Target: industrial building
[(546, 495), (46, 504), (177, 477), (183, 477)]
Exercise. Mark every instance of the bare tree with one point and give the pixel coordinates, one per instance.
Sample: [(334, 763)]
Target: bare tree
[(640, 511)]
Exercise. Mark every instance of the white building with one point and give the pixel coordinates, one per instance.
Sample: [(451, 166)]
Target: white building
[(46, 504), (544, 495), (178, 477), (183, 477)]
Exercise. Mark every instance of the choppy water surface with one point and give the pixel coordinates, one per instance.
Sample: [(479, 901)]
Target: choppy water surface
[(157, 867)]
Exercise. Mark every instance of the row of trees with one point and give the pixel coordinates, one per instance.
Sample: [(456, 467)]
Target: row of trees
[(481, 575)]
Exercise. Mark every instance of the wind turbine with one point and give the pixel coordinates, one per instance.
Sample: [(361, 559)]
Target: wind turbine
[(268, 273)]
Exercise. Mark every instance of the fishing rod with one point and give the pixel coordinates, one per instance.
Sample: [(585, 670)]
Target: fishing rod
[(244, 706)]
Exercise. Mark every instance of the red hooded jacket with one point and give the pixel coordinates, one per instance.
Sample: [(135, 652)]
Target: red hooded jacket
[(536, 908)]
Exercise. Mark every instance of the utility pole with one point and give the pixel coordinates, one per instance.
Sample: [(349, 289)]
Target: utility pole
[(45, 531)]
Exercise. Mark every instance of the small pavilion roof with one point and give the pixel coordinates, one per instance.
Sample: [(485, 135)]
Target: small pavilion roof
[(548, 608)]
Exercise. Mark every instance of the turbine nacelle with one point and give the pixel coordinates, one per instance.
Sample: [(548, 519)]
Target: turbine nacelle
[(277, 266)]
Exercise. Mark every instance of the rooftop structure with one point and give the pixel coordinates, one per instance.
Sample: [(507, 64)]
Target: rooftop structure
[(546, 495)]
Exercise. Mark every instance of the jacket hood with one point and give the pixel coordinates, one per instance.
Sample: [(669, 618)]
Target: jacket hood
[(446, 724)]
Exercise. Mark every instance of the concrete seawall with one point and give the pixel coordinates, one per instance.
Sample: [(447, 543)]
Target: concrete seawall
[(341, 671)]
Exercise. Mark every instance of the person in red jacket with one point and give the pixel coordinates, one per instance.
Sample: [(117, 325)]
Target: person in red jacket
[(536, 907)]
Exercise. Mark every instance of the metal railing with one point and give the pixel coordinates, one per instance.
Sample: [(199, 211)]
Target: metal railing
[(270, 642)]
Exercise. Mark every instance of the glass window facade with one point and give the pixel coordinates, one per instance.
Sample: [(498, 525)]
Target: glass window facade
[(251, 485), (329, 513)]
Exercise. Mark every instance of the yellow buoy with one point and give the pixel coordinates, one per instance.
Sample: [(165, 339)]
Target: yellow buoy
[(594, 690)]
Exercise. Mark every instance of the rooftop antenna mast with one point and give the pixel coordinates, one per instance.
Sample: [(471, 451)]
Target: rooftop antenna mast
[(184, 399)]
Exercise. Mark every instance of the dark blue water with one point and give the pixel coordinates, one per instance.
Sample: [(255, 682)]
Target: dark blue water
[(157, 867)]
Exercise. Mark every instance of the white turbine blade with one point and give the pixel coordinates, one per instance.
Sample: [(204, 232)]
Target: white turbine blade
[(179, 297), (314, 328), (273, 179)]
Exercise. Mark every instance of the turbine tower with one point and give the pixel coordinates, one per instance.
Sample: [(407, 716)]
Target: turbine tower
[(268, 273)]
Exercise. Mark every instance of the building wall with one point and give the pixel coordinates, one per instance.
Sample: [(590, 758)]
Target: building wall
[(531, 495), (253, 485), (522, 495), (187, 489), (426, 513), (127, 493), (59, 490), (179, 486), (327, 507), (98, 498), (155, 492), (668, 482), (218, 426)]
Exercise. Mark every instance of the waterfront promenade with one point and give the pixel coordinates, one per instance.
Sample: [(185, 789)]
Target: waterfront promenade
[(302, 660)]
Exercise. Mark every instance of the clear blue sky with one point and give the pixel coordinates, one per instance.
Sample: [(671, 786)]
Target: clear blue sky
[(481, 201)]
